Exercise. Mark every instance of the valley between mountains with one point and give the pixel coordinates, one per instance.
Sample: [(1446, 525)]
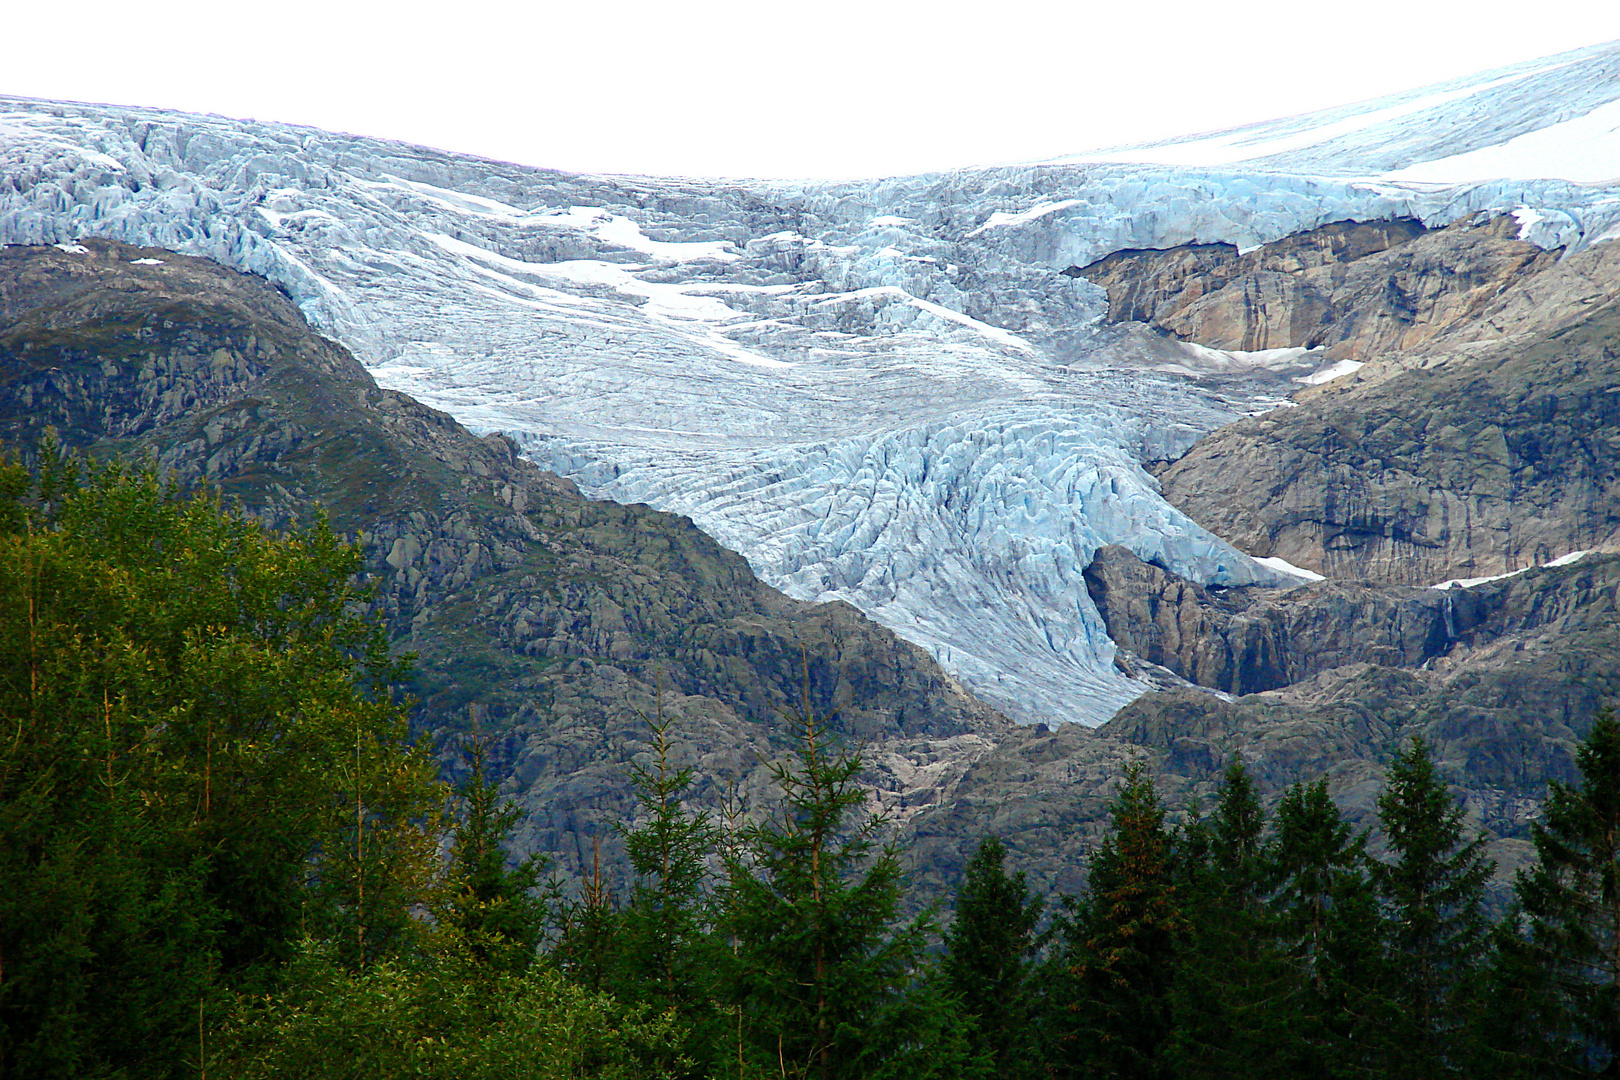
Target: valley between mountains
[(1029, 473)]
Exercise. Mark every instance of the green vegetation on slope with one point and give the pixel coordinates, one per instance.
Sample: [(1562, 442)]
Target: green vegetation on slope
[(221, 855)]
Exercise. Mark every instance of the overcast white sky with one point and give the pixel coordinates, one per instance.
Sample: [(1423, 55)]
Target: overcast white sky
[(732, 88)]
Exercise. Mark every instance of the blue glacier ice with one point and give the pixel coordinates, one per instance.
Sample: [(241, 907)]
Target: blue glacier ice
[(885, 392)]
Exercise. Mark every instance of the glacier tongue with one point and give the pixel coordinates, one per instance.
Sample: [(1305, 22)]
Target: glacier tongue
[(886, 392), (966, 536)]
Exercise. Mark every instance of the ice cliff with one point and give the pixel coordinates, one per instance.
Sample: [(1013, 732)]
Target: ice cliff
[(886, 392)]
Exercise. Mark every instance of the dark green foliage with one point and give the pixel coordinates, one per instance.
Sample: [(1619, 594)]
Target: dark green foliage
[(1555, 998), (1432, 889), (199, 759), (1327, 926), (667, 958), (1118, 948), (665, 919), (442, 1017), (810, 906), (589, 941), (989, 947), (495, 908), (1230, 978)]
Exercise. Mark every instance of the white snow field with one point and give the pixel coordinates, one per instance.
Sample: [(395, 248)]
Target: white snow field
[(885, 392)]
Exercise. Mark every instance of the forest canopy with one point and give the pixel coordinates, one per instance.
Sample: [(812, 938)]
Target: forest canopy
[(221, 851)]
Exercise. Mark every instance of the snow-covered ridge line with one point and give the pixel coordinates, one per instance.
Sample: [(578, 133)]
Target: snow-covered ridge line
[(1547, 118)]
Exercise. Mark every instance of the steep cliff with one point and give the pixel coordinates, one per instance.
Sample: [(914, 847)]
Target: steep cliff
[(1491, 447), (1359, 290), (541, 618)]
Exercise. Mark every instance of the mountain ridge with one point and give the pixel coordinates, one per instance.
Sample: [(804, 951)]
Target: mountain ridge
[(905, 397), (777, 360), (553, 623)]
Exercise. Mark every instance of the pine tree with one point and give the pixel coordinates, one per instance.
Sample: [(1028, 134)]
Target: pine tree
[(1432, 891), (988, 951), (1557, 988), (810, 903), (1120, 945), (1325, 915)]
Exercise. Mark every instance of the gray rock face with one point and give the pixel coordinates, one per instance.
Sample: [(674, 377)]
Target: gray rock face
[(1501, 679), (550, 621), (1490, 448), (1243, 641), (1360, 290)]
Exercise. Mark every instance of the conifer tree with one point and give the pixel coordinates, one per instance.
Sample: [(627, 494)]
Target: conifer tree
[(589, 939), (668, 958), (1326, 919), (199, 733), (495, 908), (1230, 977), (1120, 946), (810, 903), (1557, 995), (988, 949), (1432, 890)]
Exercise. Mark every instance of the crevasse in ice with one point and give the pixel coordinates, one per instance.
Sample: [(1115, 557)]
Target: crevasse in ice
[(885, 392)]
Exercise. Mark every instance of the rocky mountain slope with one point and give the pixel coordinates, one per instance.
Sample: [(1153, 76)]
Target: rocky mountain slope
[(1478, 440), (1469, 433), (951, 402), (885, 392), (550, 621), (1330, 679), (543, 619)]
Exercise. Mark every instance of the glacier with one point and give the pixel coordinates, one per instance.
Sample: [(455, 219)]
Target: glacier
[(885, 392)]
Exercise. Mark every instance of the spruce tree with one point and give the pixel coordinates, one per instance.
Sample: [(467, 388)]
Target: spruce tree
[(1327, 923), (818, 967), (494, 907), (1120, 946), (1557, 992), (668, 958), (1230, 977), (986, 963), (202, 759), (1433, 890), (589, 938)]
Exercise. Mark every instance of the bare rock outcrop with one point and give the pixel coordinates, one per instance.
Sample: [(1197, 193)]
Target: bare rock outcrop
[(1245, 640), (1502, 681), (552, 623), (1485, 460), (1358, 289)]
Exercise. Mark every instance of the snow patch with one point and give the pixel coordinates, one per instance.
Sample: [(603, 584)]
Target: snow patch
[(460, 200), (1469, 583), (1283, 566), (1331, 372), (1001, 220), (1585, 150), (1252, 143)]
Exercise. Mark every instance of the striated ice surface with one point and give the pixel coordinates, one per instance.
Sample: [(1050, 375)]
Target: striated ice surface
[(886, 392)]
